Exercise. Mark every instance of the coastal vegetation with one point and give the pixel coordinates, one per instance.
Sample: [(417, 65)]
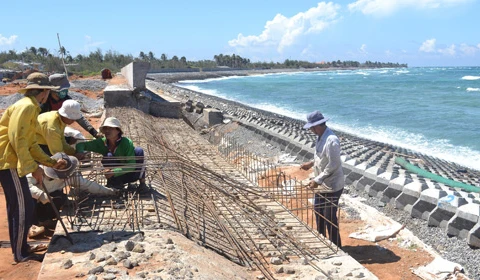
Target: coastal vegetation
[(92, 63)]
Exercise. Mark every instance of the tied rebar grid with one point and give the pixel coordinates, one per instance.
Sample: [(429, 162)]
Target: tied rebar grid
[(194, 190), (293, 194)]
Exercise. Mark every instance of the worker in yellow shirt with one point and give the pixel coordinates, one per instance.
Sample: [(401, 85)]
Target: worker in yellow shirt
[(51, 129), (19, 156)]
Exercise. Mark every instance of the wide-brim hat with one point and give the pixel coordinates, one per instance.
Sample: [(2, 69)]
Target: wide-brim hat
[(38, 80), (59, 80), (71, 110), (314, 118), (111, 122), (72, 163)]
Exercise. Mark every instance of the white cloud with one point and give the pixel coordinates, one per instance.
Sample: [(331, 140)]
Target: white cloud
[(388, 53), (428, 46), (448, 51), (363, 49), (7, 41), (282, 32), (469, 50), (387, 7)]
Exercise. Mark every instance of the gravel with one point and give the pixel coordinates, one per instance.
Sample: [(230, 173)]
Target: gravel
[(88, 104), (94, 85), (453, 249), (7, 100)]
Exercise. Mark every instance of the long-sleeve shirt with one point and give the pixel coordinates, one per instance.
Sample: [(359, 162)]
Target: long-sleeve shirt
[(18, 143), (124, 151), (55, 105), (52, 185), (328, 164), (50, 132)]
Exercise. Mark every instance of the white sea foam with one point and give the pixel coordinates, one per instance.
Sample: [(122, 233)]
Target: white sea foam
[(471, 78), (206, 91), (282, 111), (362, 73), (208, 80), (439, 148), (473, 89), (263, 106)]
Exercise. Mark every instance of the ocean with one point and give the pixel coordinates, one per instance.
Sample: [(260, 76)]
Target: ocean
[(434, 111)]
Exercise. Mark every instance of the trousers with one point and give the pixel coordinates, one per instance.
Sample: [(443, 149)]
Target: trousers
[(130, 177), (19, 210), (326, 208)]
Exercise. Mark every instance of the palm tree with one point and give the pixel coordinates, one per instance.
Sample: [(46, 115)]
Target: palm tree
[(183, 60), (163, 57), (43, 51), (33, 50), (151, 56)]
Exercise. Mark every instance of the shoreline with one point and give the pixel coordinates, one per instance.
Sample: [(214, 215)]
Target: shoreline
[(183, 94), (174, 77), (362, 150)]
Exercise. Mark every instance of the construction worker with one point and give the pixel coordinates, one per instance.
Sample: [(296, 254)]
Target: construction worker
[(18, 157), (329, 181), (51, 129), (54, 184), (123, 162), (57, 97)]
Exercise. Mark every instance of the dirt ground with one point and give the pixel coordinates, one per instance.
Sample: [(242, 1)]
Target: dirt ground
[(386, 259)]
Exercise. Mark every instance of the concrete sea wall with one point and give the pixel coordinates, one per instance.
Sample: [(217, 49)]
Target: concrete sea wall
[(369, 165)]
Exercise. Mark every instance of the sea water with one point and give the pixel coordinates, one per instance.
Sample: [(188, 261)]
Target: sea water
[(435, 111)]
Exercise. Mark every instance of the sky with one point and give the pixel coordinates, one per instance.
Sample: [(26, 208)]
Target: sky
[(416, 32)]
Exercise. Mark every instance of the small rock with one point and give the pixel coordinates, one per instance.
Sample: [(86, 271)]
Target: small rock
[(337, 263), (111, 261), (279, 270), (96, 270), (129, 245), (80, 275), (121, 255), (91, 256), (138, 248), (128, 264), (169, 241), (290, 271), (138, 237), (359, 274), (109, 276), (67, 264), (92, 277), (276, 261), (101, 257), (111, 270)]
